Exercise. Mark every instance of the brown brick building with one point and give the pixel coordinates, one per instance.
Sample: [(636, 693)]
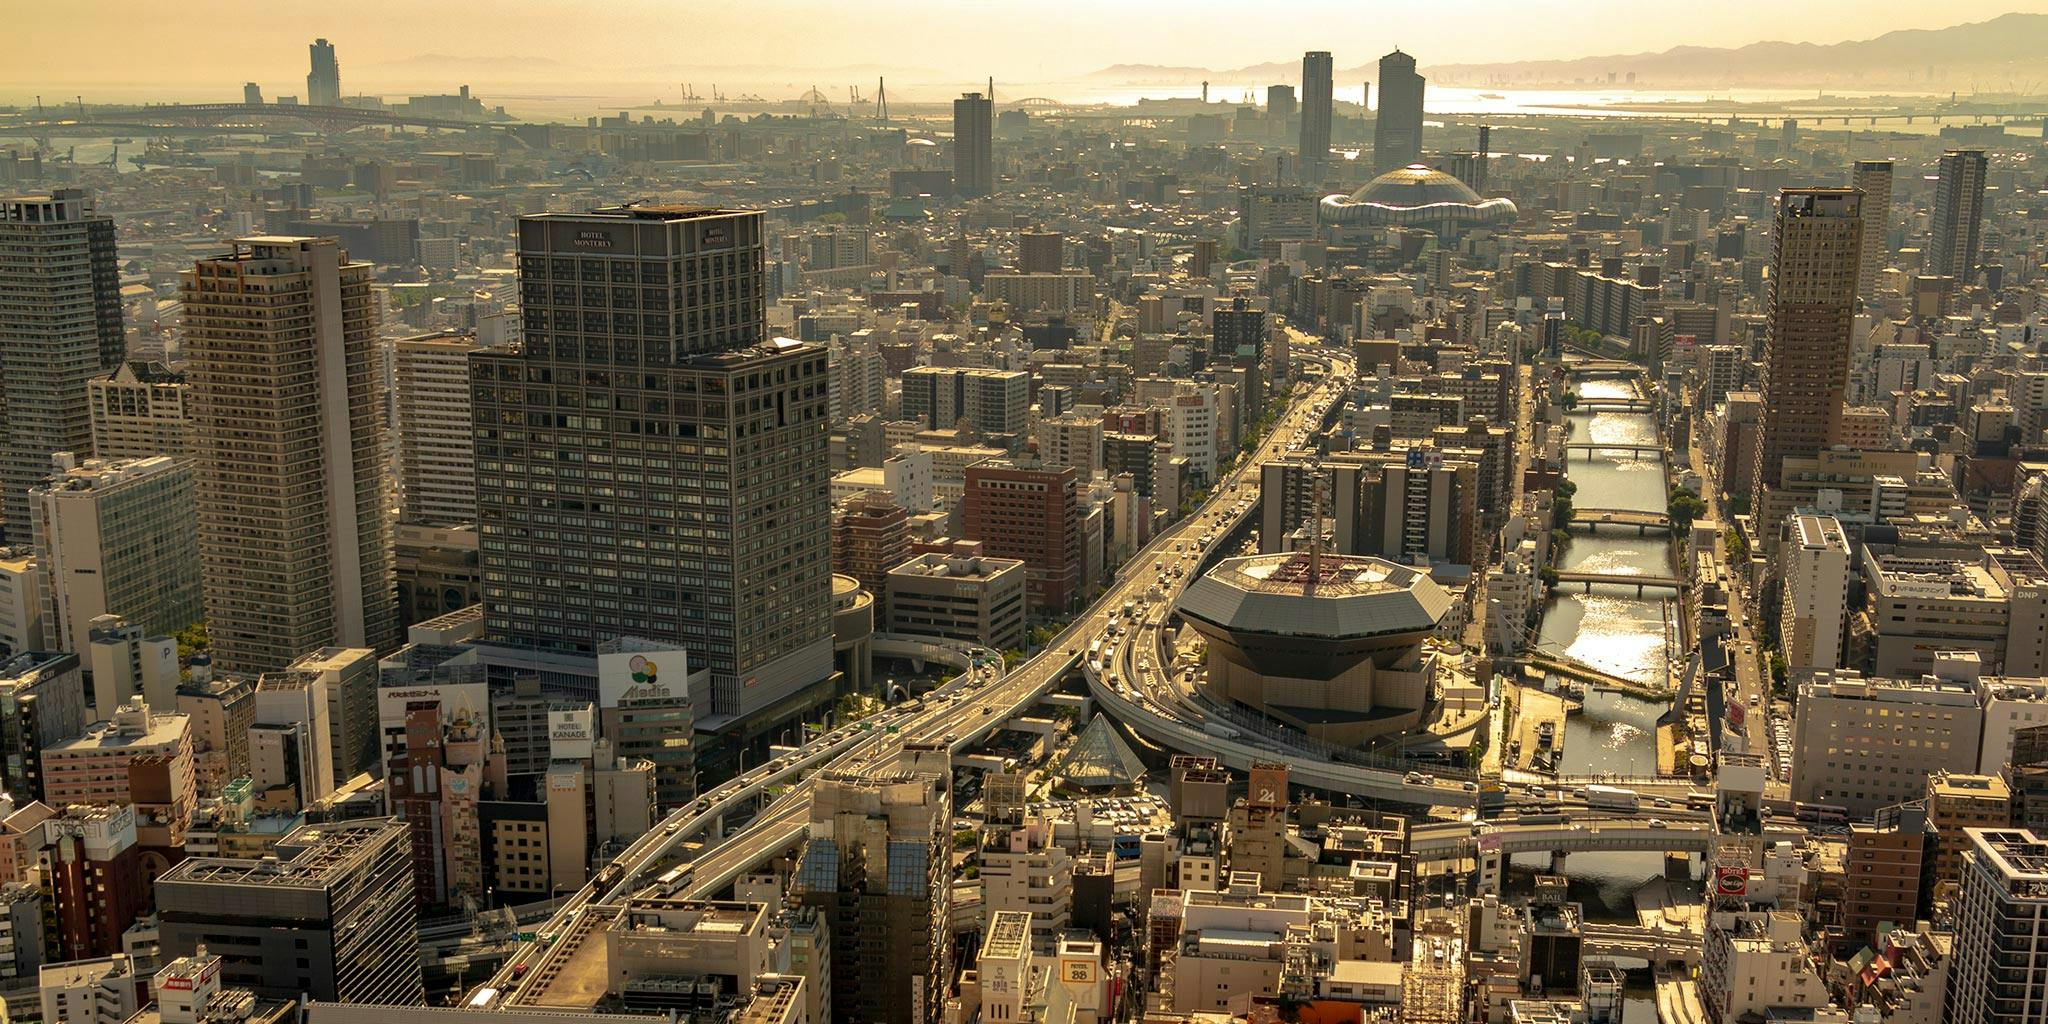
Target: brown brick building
[(1020, 510)]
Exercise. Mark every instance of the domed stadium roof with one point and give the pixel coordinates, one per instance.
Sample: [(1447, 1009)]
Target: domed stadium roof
[(1416, 195)]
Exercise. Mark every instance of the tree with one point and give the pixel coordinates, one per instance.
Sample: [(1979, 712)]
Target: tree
[(191, 640), (1684, 506), (1561, 502), (1738, 546), (1570, 400)]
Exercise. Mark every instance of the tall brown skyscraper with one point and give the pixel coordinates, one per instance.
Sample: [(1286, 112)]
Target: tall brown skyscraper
[(287, 406), (973, 145), (1958, 215), (1315, 114), (1814, 266), (1397, 130), (649, 463)]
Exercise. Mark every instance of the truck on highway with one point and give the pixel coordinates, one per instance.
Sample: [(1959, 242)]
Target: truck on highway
[(1493, 798), (1219, 729), (1612, 798)]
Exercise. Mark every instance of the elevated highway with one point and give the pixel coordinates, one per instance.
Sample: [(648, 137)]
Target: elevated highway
[(1132, 682), (228, 116), (948, 720), (1656, 945), (1688, 832)]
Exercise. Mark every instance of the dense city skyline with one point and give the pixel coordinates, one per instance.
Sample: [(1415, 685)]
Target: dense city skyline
[(396, 45), (1563, 542)]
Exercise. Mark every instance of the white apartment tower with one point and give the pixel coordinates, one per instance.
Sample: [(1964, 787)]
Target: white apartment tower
[(436, 451), (1815, 556)]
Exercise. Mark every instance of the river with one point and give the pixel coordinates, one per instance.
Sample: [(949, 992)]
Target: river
[(1612, 629)]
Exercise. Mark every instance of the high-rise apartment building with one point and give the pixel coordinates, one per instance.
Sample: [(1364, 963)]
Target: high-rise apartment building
[(92, 869), (1316, 85), (1958, 216), (1397, 130), (1956, 803), (1070, 440), (878, 864), (323, 82), (1815, 258), (436, 451), (115, 538), (2001, 930), (973, 145), (330, 916), (139, 411), (1874, 177), (135, 757), (1238, 332), (60, 326), (289, 443), (1814, 571), (1040, 252), (870, 536), (993, 402), (348, 678), (649, 464), (1883, 870)]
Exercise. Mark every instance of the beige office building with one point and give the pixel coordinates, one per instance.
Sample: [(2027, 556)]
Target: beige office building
[(1959, 802), (1927, 599), (139, 411), (436, 452), (965, 595), (289, 441), (1862, 744)]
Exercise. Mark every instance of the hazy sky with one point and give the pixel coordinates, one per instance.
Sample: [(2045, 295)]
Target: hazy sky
[(120, 48)]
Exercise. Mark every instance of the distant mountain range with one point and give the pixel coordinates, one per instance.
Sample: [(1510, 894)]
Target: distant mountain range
[(2007, 54)]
